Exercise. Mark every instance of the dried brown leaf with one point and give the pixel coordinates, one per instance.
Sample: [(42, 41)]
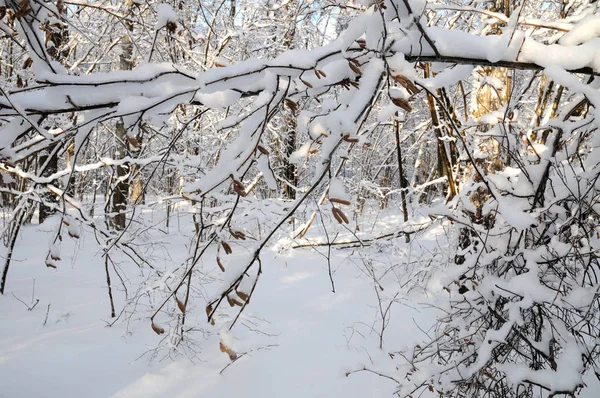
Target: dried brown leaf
[(220, 264), (293, 105), (226, 247), (337, 216), (355, 68), (306, 83), (132, 141), (340, 201), (406, 83), (343, 216), (242, 295), (239, 188), (229, 351), (180, 305), (402, 103), (157, 329), (237, 234)]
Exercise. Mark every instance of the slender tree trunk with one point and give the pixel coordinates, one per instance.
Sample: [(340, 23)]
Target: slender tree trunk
[(58, 35), (444, 165), (290, 171), (289, 141), (47, 197), (138, 196), (121, 190), (18, 221), (232, 11), (403, 181)]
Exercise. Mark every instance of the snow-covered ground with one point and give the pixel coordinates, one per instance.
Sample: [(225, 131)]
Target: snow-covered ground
[(296, 339)]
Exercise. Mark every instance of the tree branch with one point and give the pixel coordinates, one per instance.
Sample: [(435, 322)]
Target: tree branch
[(484, 62)]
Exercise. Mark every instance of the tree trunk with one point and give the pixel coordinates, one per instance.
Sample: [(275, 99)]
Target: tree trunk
[(403, 181), (444, 165), (121, 190), (289, 141), (57, 35), (138, 196), (51, 168)]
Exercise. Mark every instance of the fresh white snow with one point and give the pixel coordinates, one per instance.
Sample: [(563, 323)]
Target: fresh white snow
[(296, 339)]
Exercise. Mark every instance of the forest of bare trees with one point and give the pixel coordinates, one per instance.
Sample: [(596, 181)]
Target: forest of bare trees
[(298, 124)]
